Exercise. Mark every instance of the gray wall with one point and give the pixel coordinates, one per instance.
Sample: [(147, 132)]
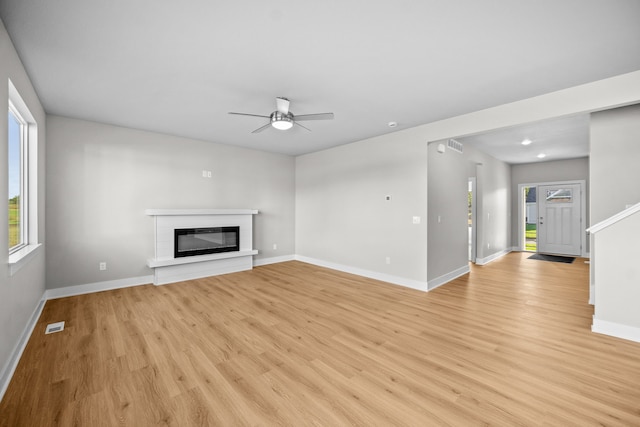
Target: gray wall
[(339, 192), (449, 173), (102, 178), (343, 217), (494, 204), (20, 293), (615, 170), (447, 219), (617, 274), (555, 171), (614, 177)]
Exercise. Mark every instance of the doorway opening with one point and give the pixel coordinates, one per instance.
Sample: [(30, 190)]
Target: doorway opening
[(530, 231)]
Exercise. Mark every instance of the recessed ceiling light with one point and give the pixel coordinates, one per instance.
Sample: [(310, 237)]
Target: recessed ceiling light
[(526, 141), (542, 156), (393, 124)]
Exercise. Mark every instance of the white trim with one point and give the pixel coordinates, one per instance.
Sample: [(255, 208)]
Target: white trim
[(10, 367), (20, 258), (493, 257), (474, 217), (617, 330), (163, 212), (29, 180), (446, 278), (153, 263), (273, 260), (409, 283), (613, 219), (69, 291)]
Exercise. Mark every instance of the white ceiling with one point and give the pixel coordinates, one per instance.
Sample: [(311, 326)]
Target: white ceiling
[(180, 67), (560, 138)]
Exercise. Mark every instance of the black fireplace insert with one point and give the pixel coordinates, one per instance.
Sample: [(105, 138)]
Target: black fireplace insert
[(202, 241)]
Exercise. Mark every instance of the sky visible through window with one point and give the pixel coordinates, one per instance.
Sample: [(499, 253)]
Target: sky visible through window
[(14, 156)]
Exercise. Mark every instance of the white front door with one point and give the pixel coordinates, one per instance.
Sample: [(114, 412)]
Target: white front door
[(559, 219)]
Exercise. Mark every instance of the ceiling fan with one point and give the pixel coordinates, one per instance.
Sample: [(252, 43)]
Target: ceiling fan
[(284, 119)]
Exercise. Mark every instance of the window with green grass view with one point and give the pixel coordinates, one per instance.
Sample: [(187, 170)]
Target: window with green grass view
[(16, 168)]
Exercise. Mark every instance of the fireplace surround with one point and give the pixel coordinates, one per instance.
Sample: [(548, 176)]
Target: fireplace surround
[(168, 267)]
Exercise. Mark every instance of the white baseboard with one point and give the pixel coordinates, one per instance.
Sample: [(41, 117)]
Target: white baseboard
[(439, 281), (273, 260), (69, 291), (617, 330), (493, 257), (9, 368), (409, 283)]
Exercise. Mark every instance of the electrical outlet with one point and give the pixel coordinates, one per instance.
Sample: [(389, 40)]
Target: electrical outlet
[(275, 246), (416, 220), (103, 266), (388, 260)]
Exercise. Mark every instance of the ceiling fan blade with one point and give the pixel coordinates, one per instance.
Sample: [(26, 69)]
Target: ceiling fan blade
[(282, 105), (318, 116), (304, 127), (247, 114), (261, 128)]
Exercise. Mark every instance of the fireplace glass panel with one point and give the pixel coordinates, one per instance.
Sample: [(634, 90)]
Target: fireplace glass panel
[(201, 241)]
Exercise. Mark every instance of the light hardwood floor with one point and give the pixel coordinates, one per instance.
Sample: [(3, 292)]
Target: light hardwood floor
[(295, 344)]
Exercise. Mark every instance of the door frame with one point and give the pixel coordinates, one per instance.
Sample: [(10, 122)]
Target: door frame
[(474, 226), (583, 211)]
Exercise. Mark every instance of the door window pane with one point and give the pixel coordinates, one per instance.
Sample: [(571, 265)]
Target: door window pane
[(559, 195)]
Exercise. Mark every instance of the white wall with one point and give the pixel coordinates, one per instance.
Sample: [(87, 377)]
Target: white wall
[(447, 218), (338, 191), (493, 205), (20, 293), (614, 177), (448, 212), (615, 170), (102, 178), (617, 276), (554, 171), (343, 217)]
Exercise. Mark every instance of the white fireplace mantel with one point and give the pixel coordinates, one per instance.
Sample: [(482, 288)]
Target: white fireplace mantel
[(168, 269), (189, 212)]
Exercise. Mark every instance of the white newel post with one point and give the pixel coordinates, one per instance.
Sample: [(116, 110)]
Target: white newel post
[(168, 269)]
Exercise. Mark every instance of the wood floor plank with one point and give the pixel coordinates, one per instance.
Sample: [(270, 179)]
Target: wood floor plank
[(301, 345)]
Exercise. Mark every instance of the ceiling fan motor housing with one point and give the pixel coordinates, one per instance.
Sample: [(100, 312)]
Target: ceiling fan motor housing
[(281, 121)]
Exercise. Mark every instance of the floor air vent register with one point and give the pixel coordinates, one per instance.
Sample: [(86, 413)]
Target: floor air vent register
[(54, 327)]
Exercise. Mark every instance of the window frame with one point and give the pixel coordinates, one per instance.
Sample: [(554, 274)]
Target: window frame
[(21, 254)]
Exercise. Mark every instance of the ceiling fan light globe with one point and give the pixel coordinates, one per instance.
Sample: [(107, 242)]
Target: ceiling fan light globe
[(281, 121)]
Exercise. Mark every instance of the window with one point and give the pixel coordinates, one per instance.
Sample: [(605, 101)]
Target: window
[(22, 138), (562, 195), (17, 170)]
